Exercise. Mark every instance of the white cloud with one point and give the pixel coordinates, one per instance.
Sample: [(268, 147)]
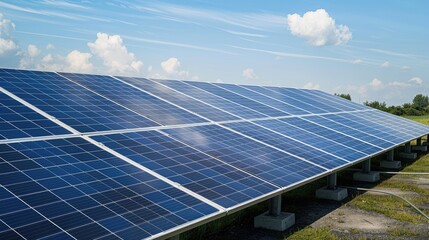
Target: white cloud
[(386, 64), (79, 62), (172, 67), (33, 51), (405, 68), (7, 44), (398, 84), (311, 85), (416, 80), (318, 28), (376, 84), (114, 54), (249, 73), (358, 61), (50, 46)]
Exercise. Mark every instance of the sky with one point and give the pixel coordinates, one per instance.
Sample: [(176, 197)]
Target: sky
[(373, 50)]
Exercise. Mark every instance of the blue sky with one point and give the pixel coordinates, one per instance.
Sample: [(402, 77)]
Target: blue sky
[(374, 50)]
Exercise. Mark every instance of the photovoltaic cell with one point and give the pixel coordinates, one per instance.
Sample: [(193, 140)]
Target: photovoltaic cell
[(286, 99), (86, 193), (329, 97), (135, 99), (289, 145), (307, 136), (212, 99), (263, 99), (350, 131), (72, 104), (180, 99), (364, 127), (200, 173), (244, 153), (247, 102), (19, 121), (333, 135)]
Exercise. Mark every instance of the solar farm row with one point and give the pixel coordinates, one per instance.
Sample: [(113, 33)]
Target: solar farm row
[(121, 157)]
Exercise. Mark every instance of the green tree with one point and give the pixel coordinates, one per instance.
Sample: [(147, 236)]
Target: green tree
[(344, 95), (420, 102), (377, 105)]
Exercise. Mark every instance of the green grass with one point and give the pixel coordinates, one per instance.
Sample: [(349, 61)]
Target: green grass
[(313, 233), (421, 119), (401, 232)]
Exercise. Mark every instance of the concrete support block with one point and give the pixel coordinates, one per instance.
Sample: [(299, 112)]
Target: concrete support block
[(337, 194), (420, 148), (280, 222), (391, 164), (366, 177), (411, 156), (425, 143)]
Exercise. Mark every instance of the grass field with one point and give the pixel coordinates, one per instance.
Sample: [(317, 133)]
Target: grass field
[(421, 119)]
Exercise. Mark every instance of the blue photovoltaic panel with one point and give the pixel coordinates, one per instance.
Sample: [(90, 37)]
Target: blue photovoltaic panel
[(307, 136), (86, 193), (244, 153), (200, 173), (212, 99), (72, 104), (304, 96), (350, 131), (312, 154), (180, 99), (263, 99), (19, 121), (286, 99), (333, 135), (392, 134), (247, 102), (135, 99), (412, 128), (368, 129), (329, 97)]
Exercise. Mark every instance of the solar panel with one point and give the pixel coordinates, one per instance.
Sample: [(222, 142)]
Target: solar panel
[(72, 104), (325, 144), (176, 97), (199, 172), (288, 144), (247, 102), (134, 99), (303, 97), (263, 99), (338, 137), (19, 121), (213, 100), (350, 131), (73, 189), (286, 99), (157, 157), (244, 153)]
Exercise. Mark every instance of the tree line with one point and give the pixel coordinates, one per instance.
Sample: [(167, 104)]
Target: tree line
[(419, 106)]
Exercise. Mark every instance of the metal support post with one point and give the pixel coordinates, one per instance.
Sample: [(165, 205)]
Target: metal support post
[(275, 206), (407, 147), (332, 181), (390, 155), (366, 166), (419, 141)]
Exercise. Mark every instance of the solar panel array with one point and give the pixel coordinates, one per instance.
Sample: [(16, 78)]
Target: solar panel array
[(90, 156)]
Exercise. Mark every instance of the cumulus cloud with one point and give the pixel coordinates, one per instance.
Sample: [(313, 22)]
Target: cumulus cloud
[(416, 80), (311, 85), (249, 73), (50, 46), (318, 28), (33, 51), (172, 67), (357, 61), (376, 84), (386, 64), (113, 53), (79, 62), (7, 44)]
